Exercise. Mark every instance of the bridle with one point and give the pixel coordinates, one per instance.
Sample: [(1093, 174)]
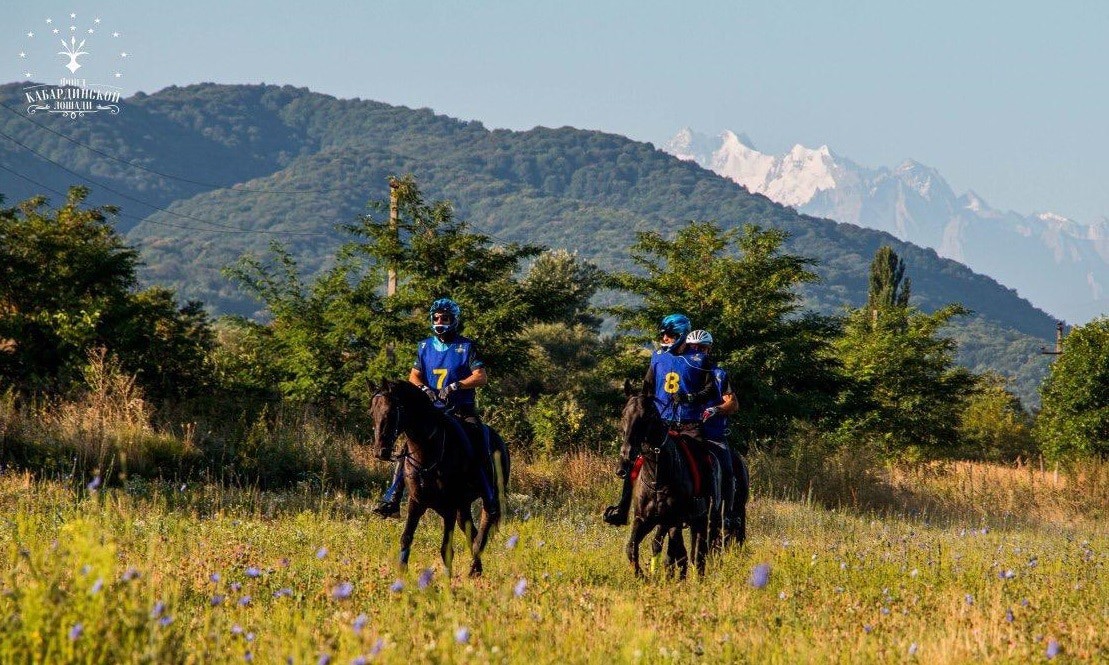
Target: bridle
[(396, 415)]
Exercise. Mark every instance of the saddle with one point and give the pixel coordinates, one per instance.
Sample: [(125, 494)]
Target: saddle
[(700, 463)]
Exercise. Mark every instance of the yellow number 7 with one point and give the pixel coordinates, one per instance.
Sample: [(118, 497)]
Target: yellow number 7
[(442, 374)]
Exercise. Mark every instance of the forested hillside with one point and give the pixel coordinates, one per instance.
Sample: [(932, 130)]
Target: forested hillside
[(278, 163)]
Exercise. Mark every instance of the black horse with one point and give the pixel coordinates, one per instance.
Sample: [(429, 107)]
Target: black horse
[(663, 492), (440, 466)]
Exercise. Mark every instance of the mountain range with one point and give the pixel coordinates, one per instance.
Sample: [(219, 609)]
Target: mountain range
[(1056, 263), (206, 173)]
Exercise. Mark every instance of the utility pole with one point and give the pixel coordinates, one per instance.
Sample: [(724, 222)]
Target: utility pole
[(391, 274), (394, 215), (1058, 342)]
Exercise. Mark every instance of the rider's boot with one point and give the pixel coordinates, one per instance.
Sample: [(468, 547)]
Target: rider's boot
[(618, 515), (389, 506)]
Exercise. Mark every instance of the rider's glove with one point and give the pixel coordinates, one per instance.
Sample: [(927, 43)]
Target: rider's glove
[(446, 390), (683, 398), (709, 413), (429, 392)]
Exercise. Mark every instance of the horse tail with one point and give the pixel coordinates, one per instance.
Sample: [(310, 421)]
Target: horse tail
[(502, 462)]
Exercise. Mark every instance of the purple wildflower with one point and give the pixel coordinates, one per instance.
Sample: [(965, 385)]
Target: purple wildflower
[(94, 484), (75, 631), (1009, 615), (359, 660), (214, 577), (1006, 574), (867, 628), (236, 629), (130, 574), (97, 586), (248, 657), (321, 553), (235, 586), (85, 569), (284, 562), (462, 635), (520, 588), (253, 572), (396, 587), (325, 659), (425, 578), (512, 541), (377, 647), (760, 576), (885, 611), (217, 600), (970, 599), (1053, 649), (1024, 602), (343, 591), (156, 612), (282, 592), (250, 637), (165, 621), (360, 622), (912, 649), (244, 601)]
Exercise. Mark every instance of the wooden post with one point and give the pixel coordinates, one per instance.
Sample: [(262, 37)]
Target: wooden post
[(391, 274)]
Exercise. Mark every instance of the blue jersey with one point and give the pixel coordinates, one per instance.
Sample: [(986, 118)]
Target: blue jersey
[(715, 428), (443, 363), (683, 374)]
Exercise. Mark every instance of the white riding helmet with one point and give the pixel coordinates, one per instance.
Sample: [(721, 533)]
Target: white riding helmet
[(702, 337)]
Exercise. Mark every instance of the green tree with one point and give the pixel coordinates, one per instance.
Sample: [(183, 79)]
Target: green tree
[(905, 391), (888, 285), (994, 426), (67, 286), (1074, 420), (559, 286), (743, 288)]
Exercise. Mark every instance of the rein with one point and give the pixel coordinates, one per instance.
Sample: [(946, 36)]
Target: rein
[(406, 456)]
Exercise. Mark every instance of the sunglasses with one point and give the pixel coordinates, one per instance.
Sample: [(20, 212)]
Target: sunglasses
[(441, 317)]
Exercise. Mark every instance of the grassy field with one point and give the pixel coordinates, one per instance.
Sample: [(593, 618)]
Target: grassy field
[(958, 563)]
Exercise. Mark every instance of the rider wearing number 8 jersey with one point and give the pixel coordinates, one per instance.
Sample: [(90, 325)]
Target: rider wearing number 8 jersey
[(681, 381)]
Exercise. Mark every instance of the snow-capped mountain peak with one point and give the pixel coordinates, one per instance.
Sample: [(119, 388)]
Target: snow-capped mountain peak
[(915, 203)]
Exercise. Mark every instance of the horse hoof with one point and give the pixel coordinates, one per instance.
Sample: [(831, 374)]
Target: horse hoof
[(475, 572)]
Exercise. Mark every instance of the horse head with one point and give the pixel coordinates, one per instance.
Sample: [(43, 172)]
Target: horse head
[(387, 414), (640, 424)]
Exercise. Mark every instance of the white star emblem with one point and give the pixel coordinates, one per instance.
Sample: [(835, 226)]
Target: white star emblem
[(55, 31), (115, 34), (90, 31), (123, 55), (73, 28), (22, 54), (96, 20), (72, 16), (118, 74), (49, 20), (27, 74), (30, 34)]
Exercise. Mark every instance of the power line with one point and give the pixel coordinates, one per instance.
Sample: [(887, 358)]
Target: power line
[(118, 213), (199, 183), (151, 205)]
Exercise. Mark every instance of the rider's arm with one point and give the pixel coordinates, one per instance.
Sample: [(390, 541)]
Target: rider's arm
[(416, 378), (730, 405), (477, 379)]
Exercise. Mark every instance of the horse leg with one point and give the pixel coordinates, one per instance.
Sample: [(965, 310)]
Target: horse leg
[(640, 529), (698, 533), (676, 554), (488, 523), (656, 548), (742, 495), (411, 521), (466, 525), (445, 549)]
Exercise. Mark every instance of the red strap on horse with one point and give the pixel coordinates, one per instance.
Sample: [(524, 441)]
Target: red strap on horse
[(694, 467), (635, 467)]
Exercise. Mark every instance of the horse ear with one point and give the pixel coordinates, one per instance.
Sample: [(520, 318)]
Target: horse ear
[(370, 386), (629, 388), (647, 389)]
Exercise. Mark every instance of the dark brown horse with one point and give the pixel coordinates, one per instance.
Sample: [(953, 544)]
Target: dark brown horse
[(663, 493), (440, 467)]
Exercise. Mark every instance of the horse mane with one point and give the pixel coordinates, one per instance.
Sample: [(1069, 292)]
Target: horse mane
[(413, 398)]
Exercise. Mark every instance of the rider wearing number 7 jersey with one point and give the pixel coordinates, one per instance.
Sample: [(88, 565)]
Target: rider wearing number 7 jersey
[(448, 369)]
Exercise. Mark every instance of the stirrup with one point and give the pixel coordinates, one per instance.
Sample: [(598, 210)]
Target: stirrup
[(387, 508), (616, 517)]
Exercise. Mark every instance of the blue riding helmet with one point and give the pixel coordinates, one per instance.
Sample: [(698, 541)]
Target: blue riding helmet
[(676, 325), (450, 307)]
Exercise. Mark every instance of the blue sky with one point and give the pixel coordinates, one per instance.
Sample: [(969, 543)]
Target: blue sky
[(1007, 98)]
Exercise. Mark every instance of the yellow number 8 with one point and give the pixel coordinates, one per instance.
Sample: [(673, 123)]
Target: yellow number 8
[(673, 383)]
